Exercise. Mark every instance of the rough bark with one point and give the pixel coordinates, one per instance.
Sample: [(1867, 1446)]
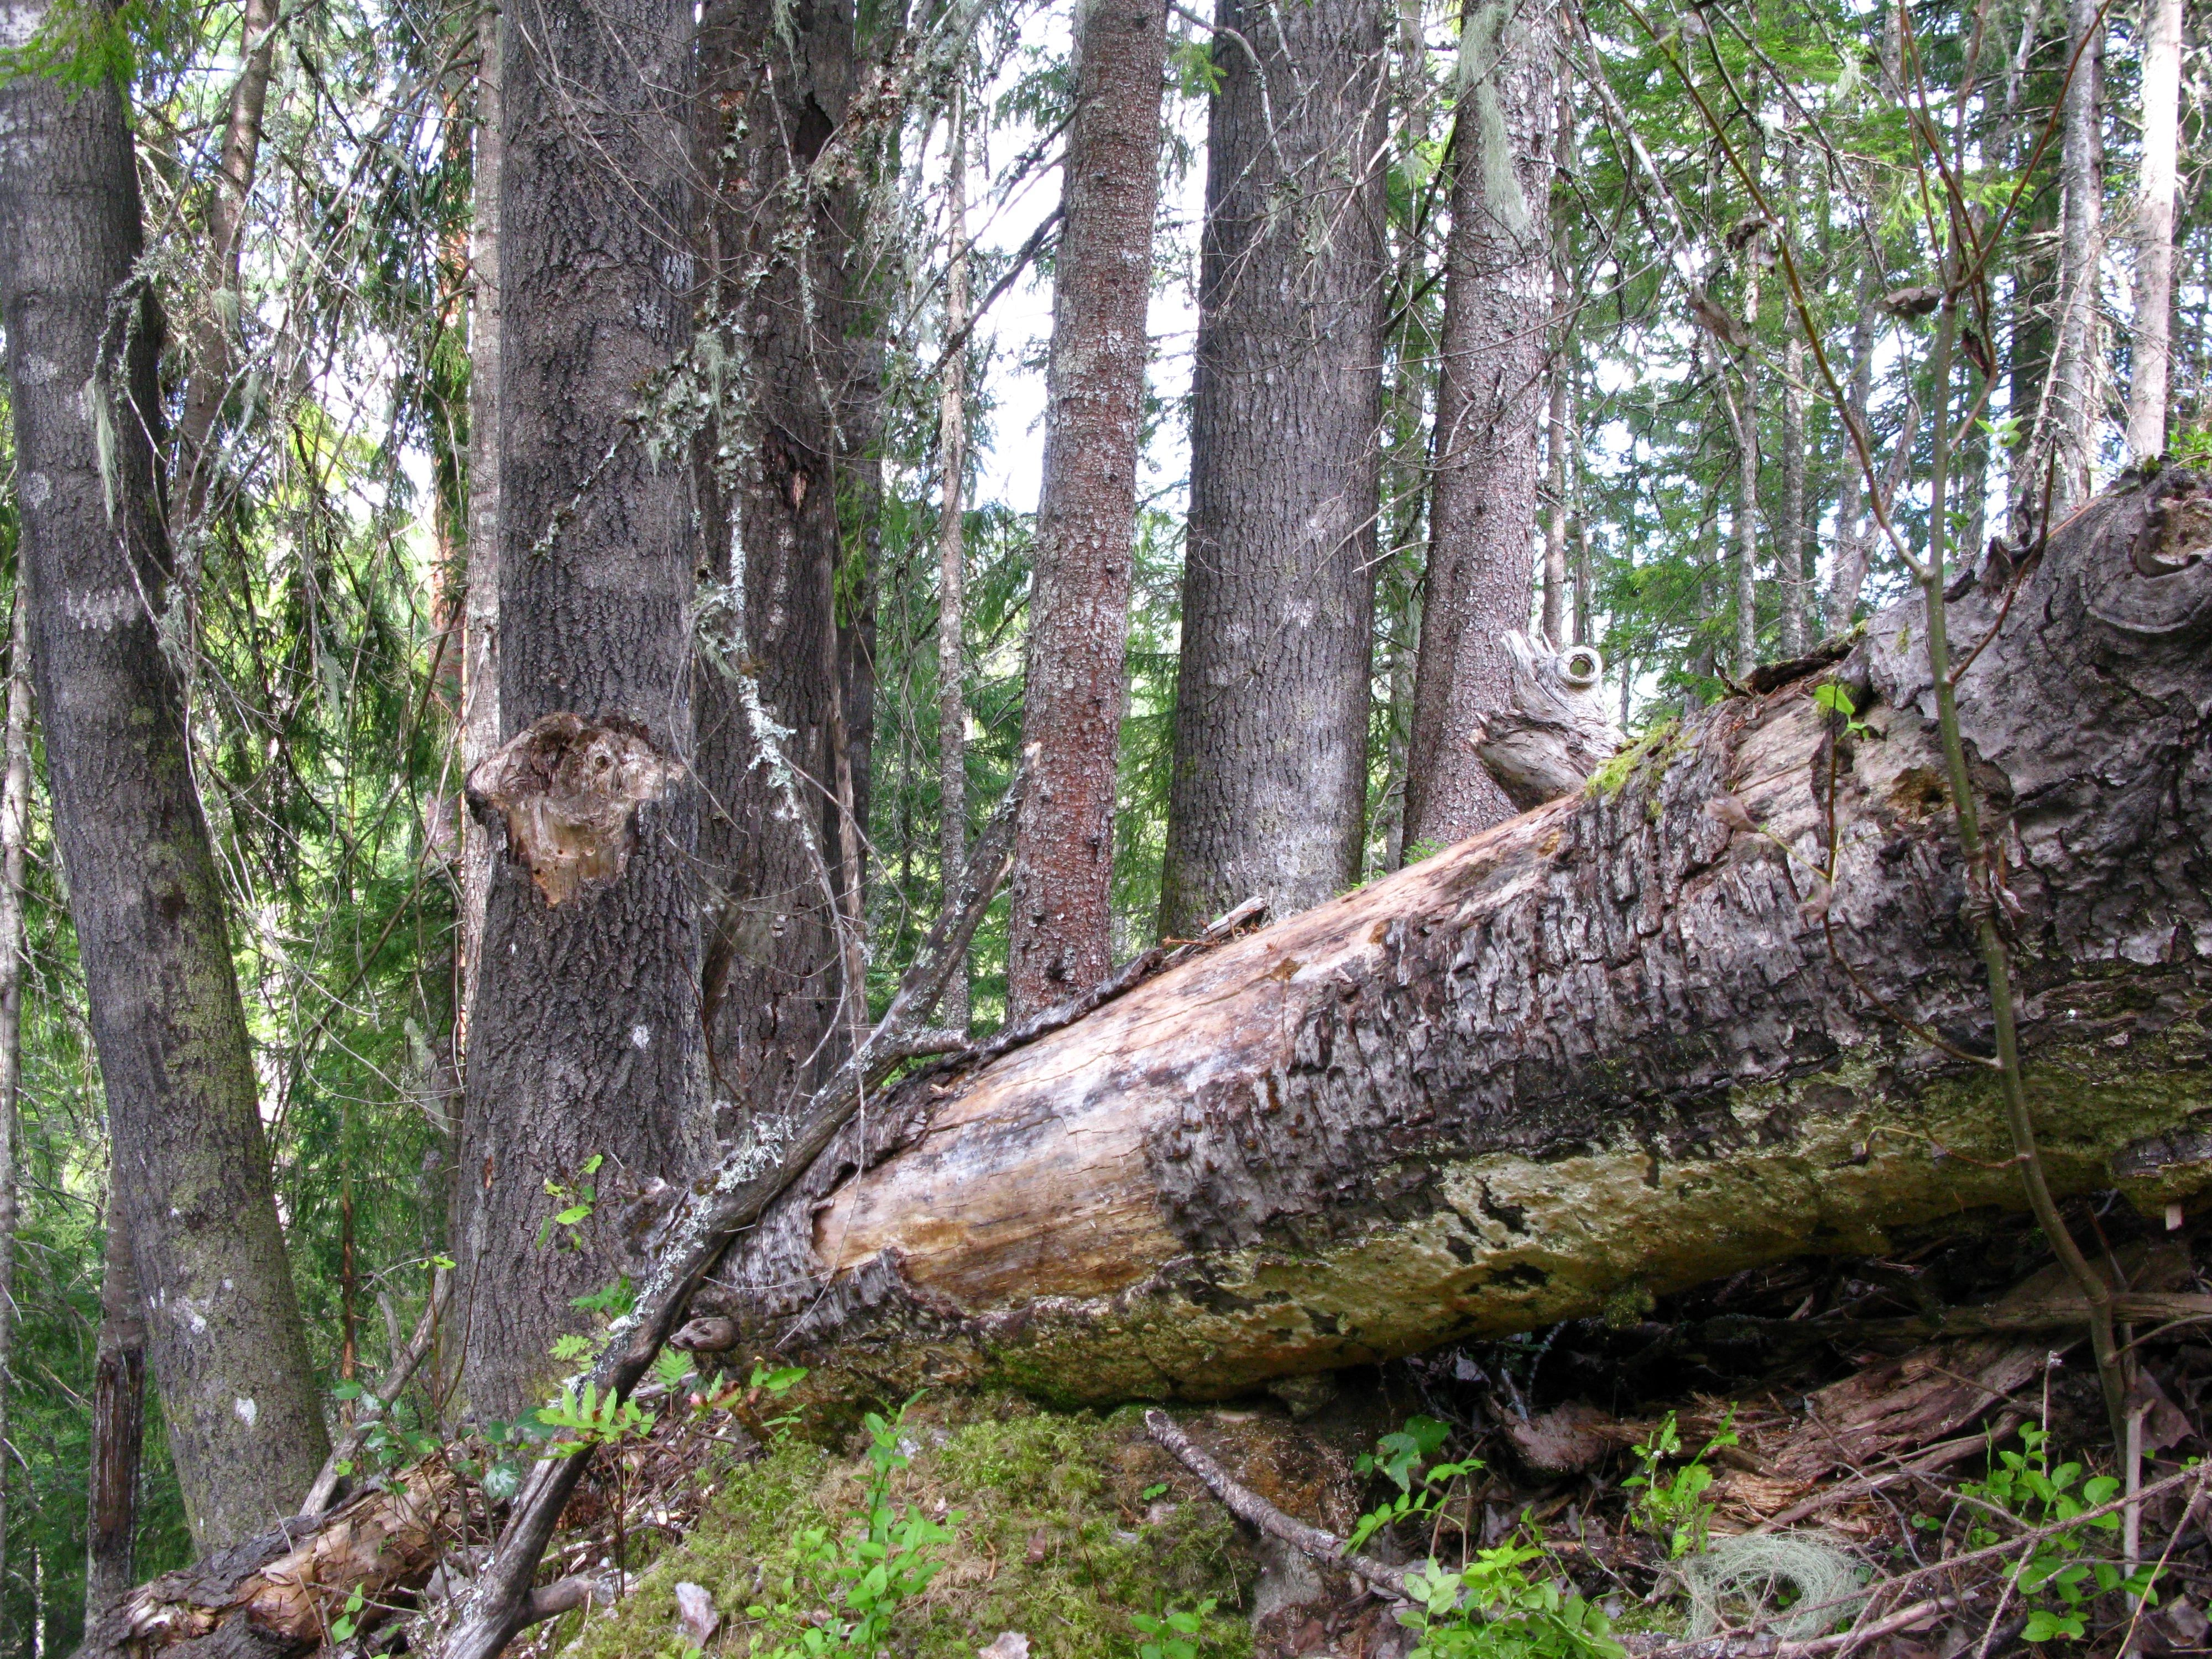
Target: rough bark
[(1270, 770), (15, 835), (781, 951), (1061, 938), (228, 1347), (952, 556), (1598, 1053), (1482, 520), (584, 1038), (118, 1429), (2154, 192)]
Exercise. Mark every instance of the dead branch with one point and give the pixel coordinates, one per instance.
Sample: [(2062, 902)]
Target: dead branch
[(1248, 1506)]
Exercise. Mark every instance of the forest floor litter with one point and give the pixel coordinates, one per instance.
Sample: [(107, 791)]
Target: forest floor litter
[(1772, 1465)]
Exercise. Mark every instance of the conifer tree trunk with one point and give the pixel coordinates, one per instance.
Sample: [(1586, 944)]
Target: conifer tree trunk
[(480, 733), (952, 1009), (1496, 301), (583, 1048), (1854, 530), (15, 836), (2161, 115), (1270, 771), (1559, 622), (118, 1427), (781, 980), (1063, 940), (229, 1350), (1794, 580), (2077, 375)]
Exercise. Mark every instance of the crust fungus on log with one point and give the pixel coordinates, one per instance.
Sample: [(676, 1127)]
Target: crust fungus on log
[(568, 789), (1616, 1046)]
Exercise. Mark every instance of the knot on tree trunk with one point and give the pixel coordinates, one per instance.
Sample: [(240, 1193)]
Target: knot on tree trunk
[(1553, 730), (569, 788)]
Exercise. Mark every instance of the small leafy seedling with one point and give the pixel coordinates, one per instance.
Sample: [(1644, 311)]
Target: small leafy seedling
[(1174, 1633), (576, 1203), (1673, 1507), (1399, 1457), (1836, 700)]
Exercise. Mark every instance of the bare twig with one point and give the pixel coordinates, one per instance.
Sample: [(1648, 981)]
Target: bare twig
[(1247, 1505)]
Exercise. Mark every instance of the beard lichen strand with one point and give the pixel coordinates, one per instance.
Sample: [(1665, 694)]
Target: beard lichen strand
[(1601, 1051)]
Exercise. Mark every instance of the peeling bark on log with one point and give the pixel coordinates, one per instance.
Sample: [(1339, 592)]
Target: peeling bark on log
[(1598, 1053), (274, 1595)]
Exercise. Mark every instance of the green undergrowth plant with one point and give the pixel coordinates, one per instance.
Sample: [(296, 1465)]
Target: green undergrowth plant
[(1493, 1609), (1672, 1506), (853, 1580), (1490, 1607), (1016, 1518), (2061, 1575), (1408, 1459)]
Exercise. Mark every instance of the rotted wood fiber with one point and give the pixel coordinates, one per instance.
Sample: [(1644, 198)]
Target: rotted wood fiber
[(1615, 1046)]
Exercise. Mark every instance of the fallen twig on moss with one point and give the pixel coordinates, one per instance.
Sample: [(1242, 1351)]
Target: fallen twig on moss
[(1248, 1505)]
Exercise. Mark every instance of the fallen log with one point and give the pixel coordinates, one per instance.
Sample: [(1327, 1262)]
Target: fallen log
[(1717, 1009)]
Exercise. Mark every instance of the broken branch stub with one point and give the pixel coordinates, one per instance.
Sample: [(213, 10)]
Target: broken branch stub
[(1553, 730), (568, 789)]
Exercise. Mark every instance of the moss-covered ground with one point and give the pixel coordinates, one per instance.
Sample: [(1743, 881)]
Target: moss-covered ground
[(1063, 1526)]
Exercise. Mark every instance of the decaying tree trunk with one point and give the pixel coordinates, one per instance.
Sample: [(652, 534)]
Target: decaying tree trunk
[(1601, 1051)]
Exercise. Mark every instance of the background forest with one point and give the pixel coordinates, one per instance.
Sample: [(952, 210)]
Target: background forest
[(1699, 506)]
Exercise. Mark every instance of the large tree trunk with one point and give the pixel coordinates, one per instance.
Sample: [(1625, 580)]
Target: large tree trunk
[(1270, 783), (1484, 510), (229, 1346), (1597, 1053), (782, 954), (1062, 928), (583, 1047), (2161, 133)]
